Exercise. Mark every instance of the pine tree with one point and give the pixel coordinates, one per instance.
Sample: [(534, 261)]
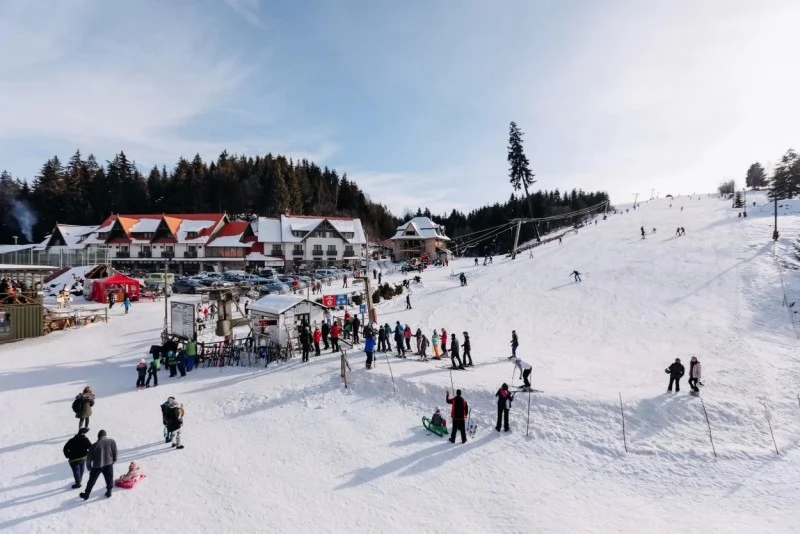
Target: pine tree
[(786, 178), (756, 176), (519, 171), (737, 200)]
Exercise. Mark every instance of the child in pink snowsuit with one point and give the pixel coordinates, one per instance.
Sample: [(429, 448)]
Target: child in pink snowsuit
[(129, 479)]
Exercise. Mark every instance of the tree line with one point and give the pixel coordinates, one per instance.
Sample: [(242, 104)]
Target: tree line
[(784, 182), (83, 191)]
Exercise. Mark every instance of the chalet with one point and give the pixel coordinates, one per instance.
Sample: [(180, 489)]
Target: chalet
[(420, 237)]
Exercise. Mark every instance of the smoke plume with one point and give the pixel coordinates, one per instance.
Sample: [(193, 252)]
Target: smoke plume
[(25, 217)]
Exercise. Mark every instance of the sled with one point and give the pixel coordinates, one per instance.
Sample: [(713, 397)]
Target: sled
[(436, 429), (128, 483)]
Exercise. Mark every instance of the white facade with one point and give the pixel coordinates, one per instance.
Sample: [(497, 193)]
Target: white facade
[(312, 240)]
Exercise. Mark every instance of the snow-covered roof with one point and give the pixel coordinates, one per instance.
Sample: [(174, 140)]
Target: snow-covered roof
[(280, 230), (277, 304), (194, 226), (229, 241), (146, 225), (423, 227), (14, 248), (269, 230)]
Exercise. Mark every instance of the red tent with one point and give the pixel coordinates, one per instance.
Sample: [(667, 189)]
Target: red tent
[(118, 284)]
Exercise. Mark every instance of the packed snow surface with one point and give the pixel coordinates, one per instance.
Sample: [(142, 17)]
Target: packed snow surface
[(289, 449)]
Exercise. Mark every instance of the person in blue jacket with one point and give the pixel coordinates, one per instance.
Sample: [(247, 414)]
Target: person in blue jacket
[(369, 348)]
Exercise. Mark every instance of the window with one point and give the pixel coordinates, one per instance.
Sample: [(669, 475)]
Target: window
[(410, 231), (102, 235), (348, 251), (297, 250), (225, 252), (348, 235), (169, 250), (298, 233), (191, 235), (317, 250), (331, 250), (277, 250)]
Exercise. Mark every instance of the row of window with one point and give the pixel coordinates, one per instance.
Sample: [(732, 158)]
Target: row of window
[(323, 233)]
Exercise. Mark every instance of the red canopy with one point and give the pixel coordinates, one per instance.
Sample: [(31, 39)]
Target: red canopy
[(118, 284)]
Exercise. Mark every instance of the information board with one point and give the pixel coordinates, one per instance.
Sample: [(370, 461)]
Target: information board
[(182, 319)]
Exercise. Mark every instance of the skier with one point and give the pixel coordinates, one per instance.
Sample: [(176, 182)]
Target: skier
[(326, 330), (465, 346), (388, 330), (407, 337), (675, 372), (423, 347), (418, 339), (101, 459), (643, 233), (152, 371), (435, 343), (443, 339), (678, 231), (82, 406), (408, 302), (141, 369), (514, 344), (305, 342), (369, 349), (504, 399), (454, 353), (317, 339), (525, 368), (694, 375), (577, 275), (335, 331), (398, 339), (458, 413), (172, 417), (76, 451)]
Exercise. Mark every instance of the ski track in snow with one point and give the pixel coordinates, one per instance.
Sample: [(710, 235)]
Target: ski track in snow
[(288, 449)]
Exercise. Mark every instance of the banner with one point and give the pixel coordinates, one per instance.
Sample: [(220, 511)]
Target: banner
[(329, 301), (341, 300)]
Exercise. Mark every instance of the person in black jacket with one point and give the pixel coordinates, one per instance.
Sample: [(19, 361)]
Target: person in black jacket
[(326, 330), (504, 399), (381, 339), (305, 342), (465, 350), (76, 450), (102, 457), (356, 326), (172, 417), (675, 372), (458, 413)]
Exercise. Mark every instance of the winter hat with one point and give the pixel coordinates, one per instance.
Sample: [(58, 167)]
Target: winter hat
[(141, 361), (101, 434), (83, 431)]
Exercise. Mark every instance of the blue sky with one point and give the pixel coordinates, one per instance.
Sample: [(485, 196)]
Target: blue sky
[(412, 99)]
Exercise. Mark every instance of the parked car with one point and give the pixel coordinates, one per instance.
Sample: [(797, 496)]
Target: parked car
[(274, 288), (158, 278), (186, 286)]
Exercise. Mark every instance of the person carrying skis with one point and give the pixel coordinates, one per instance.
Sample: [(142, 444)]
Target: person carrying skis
[(504, 400), (514, 344), (454, 353), (317, 339), (435, 343), (141, 369), (76, 450), (694, 374), (577, 275), (465, 347), (675, 372), (458, 413), (525, 368), (82, 406), (172, 417), (152, 371)]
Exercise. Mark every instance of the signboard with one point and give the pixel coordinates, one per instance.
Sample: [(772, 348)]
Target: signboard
[(329, 301), (182, 321), (362, 308), (341, 300)]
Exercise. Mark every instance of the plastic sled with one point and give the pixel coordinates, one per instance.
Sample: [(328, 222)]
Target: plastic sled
[(436, 429), (128, 483)]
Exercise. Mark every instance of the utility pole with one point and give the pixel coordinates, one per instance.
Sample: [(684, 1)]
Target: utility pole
[(744, 201), (635, 199), (775, 231), (652, 191), (516, 239), (166, 297)]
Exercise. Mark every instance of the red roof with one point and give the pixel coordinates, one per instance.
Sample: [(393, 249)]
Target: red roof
[(162, 240), (233, 228), (119, 241)]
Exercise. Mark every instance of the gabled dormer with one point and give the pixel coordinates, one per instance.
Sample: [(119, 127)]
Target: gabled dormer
[(167, 230)]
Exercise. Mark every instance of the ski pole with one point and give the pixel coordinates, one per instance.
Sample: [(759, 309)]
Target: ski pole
[(391, 373), (528, 424), (513, 374)]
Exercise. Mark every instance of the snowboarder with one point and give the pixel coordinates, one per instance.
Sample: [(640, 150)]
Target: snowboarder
[(369, 349), (504, 399), (514, 344), (675, 372), (694, 374), (577, 275), (458, 413), (141, 369), (326, 330), (101, 459), (443, 339), (465, 347), (454, 353), (525, 368), (172, 417), (305, 342), (152, 372), (435, 343), (82, 406), (317, 339), (408, 302), (76, 450)]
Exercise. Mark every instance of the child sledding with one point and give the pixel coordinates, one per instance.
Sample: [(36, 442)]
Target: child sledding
[(436, 424), (131, 478)]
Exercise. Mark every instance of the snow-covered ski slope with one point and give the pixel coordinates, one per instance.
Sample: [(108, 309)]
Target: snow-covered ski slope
[(288, 449)]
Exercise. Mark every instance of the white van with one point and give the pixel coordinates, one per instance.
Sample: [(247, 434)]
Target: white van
[(158, 278)]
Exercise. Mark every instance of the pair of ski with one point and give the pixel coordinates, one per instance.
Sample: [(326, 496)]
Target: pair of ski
[(529, 390), (455, 368)]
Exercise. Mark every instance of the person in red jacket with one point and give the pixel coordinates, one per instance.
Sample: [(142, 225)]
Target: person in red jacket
[(459, 411), (317, 339), (335, 331)]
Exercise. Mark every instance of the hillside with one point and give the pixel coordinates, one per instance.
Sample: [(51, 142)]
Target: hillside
[(288, 448)]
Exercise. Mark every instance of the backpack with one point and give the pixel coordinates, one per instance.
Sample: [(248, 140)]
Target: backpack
[(77, 405)]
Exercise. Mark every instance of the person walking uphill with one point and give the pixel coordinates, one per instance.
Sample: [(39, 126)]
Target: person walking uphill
[(504, 400), (82, 406), (76, 450), (102, 457), (694, 374), (454, 353), (675, 372), (458, 413)]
